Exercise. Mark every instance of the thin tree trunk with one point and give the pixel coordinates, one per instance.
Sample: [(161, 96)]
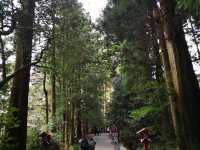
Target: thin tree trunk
[(159, 72), (72, 125), (3, 58), (20, 87), (46, 98), (53, 75), (65, 115), (53, 61), (79, 124), (68, 113), (65, 130), (78, 108), (53, 95)]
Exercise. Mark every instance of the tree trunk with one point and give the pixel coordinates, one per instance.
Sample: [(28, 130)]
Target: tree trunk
[(183, 79), (46, 98), (73, 125), (53, 60), (65, 129), (65, 117), (79, 124), (158, 70), (169, 83), (20, 87), (53, 95), (3, 58), (53, 75)]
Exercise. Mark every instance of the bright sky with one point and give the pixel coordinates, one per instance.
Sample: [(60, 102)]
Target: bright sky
[(94, 7)]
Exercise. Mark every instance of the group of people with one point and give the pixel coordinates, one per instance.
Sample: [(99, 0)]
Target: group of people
[(87, 143), (47, 143), (97, 131)]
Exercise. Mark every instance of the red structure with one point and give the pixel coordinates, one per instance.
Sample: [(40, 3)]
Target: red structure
[(144, 137)]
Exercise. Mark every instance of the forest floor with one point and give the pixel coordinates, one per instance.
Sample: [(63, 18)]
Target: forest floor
[(103, 142)]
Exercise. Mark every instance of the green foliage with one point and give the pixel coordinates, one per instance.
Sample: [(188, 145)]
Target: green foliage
[(7, 121), (57, 137), (193, 6), (80, 68), (33, 142), (119, 20), (152, 92), (139, 93), (84, 65), (74, 147), (143, 112)]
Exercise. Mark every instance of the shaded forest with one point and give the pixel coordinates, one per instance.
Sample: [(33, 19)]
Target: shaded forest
[(137, 67)]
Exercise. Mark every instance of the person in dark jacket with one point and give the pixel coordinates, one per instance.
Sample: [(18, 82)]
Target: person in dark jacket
[(47, 143), (92, 143), (84, 145)]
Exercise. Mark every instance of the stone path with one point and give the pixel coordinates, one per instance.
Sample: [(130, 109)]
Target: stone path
[(103, 142)]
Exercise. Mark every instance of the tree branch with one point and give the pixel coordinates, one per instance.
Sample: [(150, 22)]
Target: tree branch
[(8, 78)]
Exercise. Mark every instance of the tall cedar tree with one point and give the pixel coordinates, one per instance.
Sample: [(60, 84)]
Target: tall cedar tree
[(185, 105), (20, 87)]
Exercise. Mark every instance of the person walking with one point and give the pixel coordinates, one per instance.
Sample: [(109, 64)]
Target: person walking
[(92, 143), (84, 145)]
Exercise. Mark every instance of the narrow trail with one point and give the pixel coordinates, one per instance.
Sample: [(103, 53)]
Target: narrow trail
[(103, 142)]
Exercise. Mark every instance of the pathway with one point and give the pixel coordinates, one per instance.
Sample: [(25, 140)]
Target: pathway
[(103, 142)]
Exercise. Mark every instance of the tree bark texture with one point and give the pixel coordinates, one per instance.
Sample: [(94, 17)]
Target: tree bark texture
[(172, 97), (186, 102), (53, 95), (53, 75), (3, 58), (20, 87), (46, 98)]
